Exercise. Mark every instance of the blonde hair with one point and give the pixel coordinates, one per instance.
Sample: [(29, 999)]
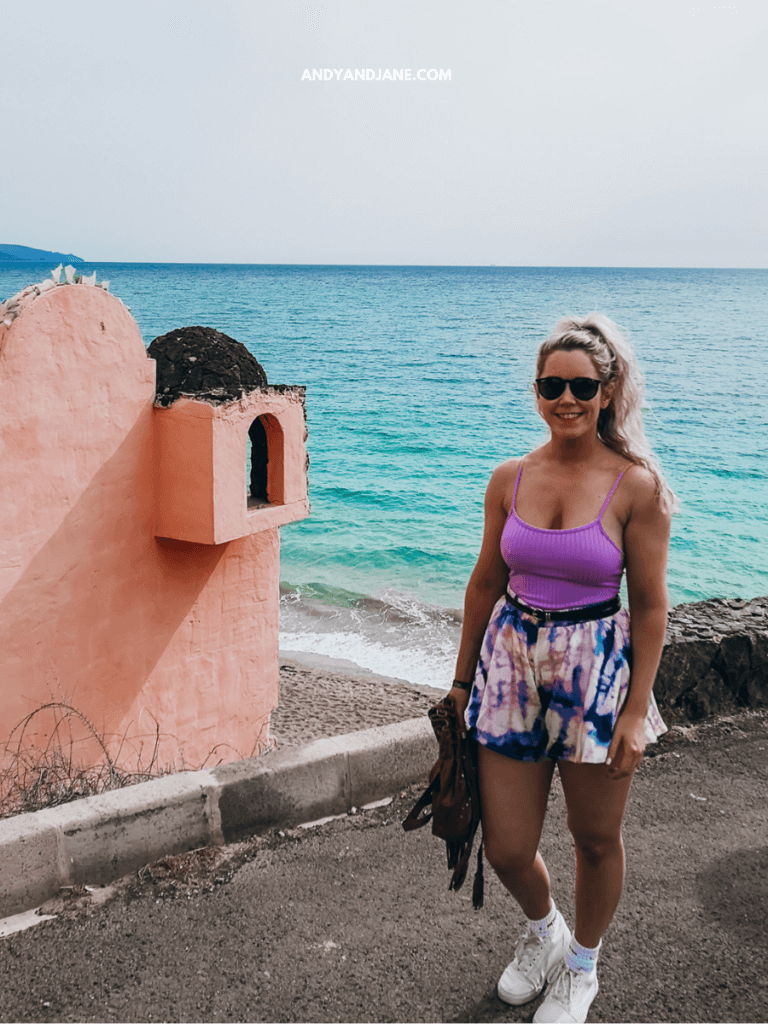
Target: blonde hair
[(620, 424)]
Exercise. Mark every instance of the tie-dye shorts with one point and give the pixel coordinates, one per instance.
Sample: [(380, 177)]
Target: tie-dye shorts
[(554, 690)]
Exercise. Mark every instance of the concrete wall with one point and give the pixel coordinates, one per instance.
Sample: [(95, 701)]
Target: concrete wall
[(95, 610)]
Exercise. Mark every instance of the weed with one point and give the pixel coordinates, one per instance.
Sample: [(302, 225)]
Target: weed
[(34, 776)]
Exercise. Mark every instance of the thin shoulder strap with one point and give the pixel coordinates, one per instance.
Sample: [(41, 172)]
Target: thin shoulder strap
[(612, 491), (517, 484)]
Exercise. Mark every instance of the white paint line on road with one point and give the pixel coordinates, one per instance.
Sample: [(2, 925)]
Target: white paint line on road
[(19, 922), (321, 821), (377, 803)]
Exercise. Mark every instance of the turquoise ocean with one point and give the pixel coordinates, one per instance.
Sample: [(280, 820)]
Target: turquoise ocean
[(419, 382)]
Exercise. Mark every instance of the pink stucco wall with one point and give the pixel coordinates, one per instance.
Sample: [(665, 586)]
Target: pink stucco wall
[(95, 608), (206, 446)]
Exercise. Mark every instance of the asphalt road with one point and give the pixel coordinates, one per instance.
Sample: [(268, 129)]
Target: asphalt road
[(353, 921)]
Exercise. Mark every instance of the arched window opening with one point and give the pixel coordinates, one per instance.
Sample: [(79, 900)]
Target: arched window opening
[(265, 463), (258, 462)]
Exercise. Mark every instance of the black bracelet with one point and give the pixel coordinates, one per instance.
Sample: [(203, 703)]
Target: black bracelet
[(462, 685)]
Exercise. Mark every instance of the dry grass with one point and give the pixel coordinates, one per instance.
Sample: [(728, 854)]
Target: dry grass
[(35, 776)]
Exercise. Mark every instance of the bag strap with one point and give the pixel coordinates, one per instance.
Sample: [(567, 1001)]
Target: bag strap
[(478, 886), (413, 820)]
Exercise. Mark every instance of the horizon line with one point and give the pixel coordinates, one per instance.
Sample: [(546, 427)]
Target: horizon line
[(410, 266)]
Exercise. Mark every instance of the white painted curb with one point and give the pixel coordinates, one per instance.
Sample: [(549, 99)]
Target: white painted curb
[(98, 839)]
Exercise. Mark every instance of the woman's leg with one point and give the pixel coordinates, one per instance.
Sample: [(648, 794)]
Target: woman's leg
[(513, 796), (595, 803)]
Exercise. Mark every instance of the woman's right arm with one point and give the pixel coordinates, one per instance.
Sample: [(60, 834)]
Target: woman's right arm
[(487, 582)]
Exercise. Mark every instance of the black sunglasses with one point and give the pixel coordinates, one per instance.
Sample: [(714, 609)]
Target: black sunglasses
[(582, 388)]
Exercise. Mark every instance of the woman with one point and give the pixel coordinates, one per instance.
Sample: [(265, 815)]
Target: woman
[(546, 650)]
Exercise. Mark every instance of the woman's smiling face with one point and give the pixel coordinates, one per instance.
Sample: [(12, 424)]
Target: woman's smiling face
[(566, 416)]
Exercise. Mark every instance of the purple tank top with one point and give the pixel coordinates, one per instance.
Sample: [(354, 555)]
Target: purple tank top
[(561, 568)]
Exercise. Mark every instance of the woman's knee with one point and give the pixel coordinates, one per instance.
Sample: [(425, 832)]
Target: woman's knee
[(508, 860), (596, 846)]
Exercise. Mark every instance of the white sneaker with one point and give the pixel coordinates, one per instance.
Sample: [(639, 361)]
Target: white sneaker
[(526, 976), (569, 996)]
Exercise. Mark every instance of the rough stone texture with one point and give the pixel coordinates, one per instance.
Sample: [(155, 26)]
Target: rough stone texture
[(203, 363), (715, 657)]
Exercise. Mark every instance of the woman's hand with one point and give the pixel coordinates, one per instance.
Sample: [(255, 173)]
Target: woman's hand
[(461, 697), (627, 746)]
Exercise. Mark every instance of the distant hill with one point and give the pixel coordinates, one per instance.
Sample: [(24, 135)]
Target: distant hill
[(23, 254)]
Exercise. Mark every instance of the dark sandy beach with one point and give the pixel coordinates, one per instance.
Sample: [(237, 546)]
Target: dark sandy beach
[(322, 697)]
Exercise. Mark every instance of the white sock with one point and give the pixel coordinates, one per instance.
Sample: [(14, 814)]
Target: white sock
[(581, 958), (543, 927)]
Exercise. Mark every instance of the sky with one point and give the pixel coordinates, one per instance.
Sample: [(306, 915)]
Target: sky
[(570, 133)]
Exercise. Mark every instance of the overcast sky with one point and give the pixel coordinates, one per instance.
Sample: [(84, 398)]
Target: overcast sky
[(570, 132)]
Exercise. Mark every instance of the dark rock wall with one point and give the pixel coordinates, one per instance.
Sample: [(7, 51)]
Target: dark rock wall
[(203, 363), (715, 658)]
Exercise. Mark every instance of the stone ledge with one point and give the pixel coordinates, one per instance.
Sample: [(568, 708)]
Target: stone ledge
[(282, 788), (32, 864), (325, 777), (100, 838)]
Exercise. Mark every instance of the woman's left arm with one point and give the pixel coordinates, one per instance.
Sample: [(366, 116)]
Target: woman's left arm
[(646, 545)]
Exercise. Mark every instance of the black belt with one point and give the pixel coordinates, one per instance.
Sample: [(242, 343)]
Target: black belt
[(586, 614)]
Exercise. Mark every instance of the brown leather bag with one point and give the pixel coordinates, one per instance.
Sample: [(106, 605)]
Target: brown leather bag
[(451, 801)]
